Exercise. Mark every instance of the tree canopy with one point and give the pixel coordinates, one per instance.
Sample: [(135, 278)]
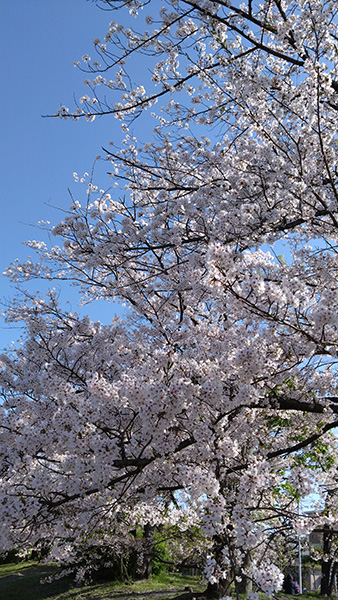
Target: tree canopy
[(212, 402)]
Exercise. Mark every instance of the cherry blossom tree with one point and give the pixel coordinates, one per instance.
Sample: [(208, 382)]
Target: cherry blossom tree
[(212, 403)]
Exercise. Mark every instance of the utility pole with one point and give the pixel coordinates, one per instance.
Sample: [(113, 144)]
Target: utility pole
[(300, 565), (299, 557)]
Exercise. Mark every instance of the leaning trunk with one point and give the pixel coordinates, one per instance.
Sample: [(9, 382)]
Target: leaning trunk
[(332, 580)]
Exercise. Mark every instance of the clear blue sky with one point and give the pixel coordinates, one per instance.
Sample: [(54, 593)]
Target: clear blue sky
[(39, 40)]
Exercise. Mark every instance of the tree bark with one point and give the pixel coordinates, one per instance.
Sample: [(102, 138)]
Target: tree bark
[(326, 565), (219, 589), (245, 585), (143, 567), (333, 571)]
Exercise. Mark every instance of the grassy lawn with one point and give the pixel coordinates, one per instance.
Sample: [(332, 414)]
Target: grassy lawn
[(305, 596), (22, 582)]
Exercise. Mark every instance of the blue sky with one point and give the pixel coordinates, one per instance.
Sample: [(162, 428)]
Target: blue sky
[(39, 41)]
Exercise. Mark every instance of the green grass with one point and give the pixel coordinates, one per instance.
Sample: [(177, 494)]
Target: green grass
[(22, 582), (305, 596)]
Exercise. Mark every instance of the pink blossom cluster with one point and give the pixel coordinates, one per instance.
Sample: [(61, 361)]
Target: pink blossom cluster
[(268, 577)]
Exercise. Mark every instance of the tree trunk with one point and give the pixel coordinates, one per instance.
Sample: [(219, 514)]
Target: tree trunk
[(148, 551), (326, 565), (219, 589), (122, 569), (143, 561), (332, 581), (245, 585)]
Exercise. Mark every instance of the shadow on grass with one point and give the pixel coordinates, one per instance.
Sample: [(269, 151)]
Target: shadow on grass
[(22, 582), (104, 594)]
